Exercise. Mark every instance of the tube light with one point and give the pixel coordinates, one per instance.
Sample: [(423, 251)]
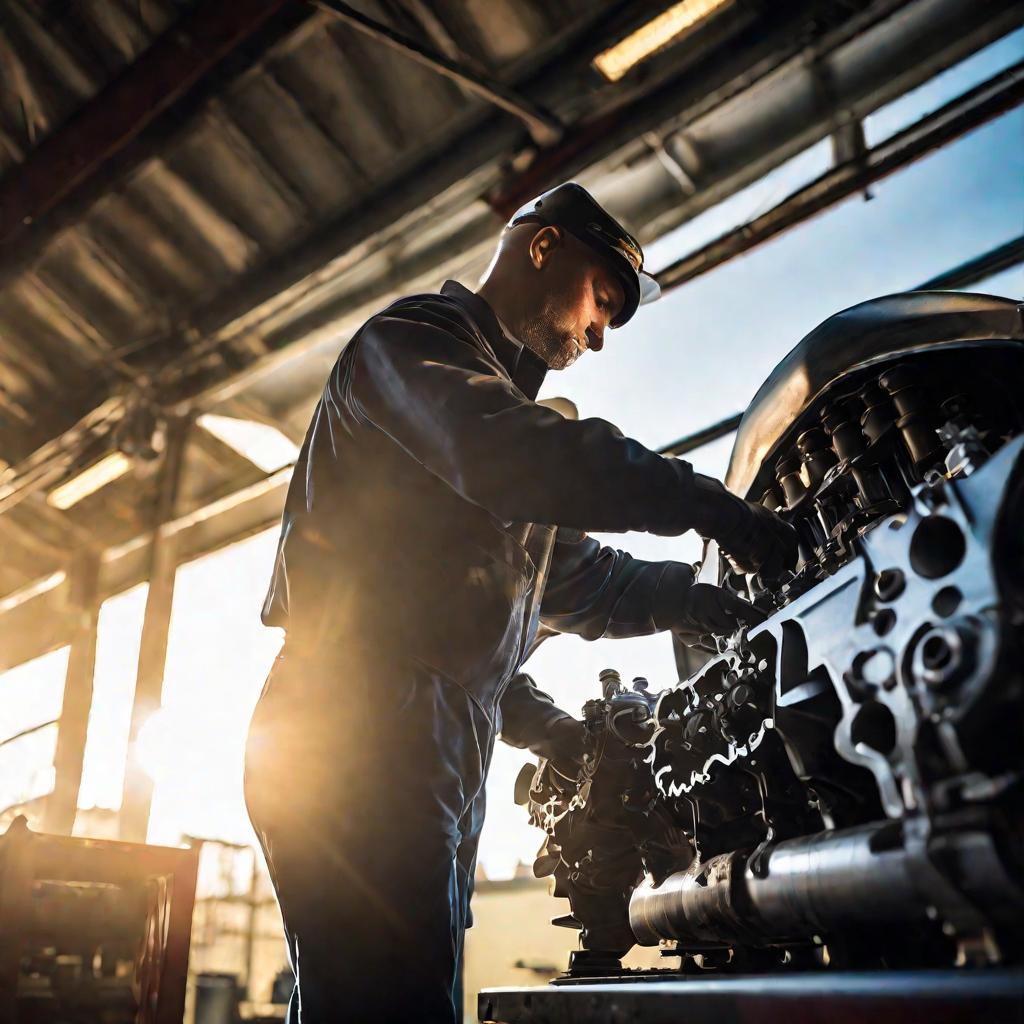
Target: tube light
[(263, 445), (90, 480), (658, 33)]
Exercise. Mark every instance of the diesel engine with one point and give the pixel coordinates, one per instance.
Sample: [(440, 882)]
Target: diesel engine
[(841, 784)]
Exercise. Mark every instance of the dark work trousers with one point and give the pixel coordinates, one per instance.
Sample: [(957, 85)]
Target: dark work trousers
[(365, 785)]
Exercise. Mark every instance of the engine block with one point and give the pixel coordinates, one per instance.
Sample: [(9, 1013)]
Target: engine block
[(841, 784)]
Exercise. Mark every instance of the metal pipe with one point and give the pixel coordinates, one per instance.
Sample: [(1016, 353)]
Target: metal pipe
[(544, 127), (702, 437), (1002, 257), (991, 98), (805, 887)]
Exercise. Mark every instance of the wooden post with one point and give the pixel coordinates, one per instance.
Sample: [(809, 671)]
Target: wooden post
[(62, 803), (138, 787)]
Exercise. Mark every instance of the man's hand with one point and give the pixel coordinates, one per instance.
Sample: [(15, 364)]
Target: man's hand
[(564, 744), (754, 538), (707, 609)]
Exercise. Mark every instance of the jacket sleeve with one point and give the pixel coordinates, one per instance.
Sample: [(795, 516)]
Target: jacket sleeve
[(418, 373), (596, 591), (527, 714)]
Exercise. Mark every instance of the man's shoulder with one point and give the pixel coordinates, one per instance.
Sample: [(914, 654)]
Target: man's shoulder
[(433, 309)]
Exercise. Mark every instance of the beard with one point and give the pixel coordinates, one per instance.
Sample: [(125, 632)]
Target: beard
[(551, 335)]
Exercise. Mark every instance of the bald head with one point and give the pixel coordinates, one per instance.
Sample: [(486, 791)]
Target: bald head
[(553, 292)]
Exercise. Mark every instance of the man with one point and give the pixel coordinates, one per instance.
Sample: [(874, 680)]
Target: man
[(436, 516)]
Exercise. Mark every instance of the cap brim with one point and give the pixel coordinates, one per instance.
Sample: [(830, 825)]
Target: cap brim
[(650, 290)]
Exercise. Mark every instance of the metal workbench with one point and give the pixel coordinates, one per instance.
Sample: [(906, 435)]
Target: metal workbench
[(909, 997)]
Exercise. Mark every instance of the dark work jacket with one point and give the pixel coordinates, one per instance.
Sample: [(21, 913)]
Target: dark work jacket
[(438, 514)]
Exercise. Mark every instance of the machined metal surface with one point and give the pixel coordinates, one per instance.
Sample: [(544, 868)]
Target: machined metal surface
[(900, 997), (839, 786), (864, 334)]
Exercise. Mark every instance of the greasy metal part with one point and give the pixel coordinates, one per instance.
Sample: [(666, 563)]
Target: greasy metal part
[(915, 421), (852, 345), (841, 422), (817, 455), (803, 887), (772, 499), (846, 774), (788, 474), (879, 413)]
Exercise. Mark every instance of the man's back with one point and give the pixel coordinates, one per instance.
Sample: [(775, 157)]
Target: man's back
[(376, 546)]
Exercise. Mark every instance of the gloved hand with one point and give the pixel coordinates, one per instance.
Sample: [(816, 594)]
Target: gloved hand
[(706, 609), (754, 538), (564, 743)]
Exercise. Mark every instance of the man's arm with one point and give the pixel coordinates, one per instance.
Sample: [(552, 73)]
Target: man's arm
[(596, 591), (418, 373), (531, 720)]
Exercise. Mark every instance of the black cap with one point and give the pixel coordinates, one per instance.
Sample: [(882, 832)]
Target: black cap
[(572, 207)]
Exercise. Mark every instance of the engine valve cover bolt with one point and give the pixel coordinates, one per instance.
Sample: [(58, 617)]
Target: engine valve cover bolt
[(889, 584), (945, 655), (740, 694)]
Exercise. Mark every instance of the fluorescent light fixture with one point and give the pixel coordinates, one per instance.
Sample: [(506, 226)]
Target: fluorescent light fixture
[(658, 33), (263, 445), (90, 480)]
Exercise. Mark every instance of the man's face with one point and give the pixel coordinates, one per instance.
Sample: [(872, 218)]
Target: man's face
[(575, 299)]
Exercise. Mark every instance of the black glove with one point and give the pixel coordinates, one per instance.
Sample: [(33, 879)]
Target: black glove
[(564, 743), (754, 538), (709, 609)]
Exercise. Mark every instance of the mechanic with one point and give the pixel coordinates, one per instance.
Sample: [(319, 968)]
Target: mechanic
[(436, 517)]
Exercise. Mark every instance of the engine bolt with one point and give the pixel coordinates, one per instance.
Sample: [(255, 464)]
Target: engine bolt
[(889, 584), (740, 695), (946, 655)]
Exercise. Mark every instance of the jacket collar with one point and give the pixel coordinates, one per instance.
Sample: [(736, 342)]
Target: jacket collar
[(526, 369)]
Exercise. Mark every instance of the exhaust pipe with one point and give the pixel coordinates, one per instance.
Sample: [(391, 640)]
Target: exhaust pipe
[(800, 888)]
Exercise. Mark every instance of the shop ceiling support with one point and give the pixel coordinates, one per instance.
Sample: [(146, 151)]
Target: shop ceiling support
[(972, 109), (62, 803), (138, 787)]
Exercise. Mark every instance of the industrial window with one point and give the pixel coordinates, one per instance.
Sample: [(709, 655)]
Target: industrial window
[(31, 696), (118, 635), (218, 656)]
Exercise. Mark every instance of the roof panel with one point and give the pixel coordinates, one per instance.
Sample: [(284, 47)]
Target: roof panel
[(292, 144), (221, 162), (84, 273)]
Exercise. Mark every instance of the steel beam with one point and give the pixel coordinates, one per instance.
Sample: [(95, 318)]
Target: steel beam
[(974, 108), (62, 803), (138, 787), (901, 48), (702, 437), (1003, 257), (544, 128)]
